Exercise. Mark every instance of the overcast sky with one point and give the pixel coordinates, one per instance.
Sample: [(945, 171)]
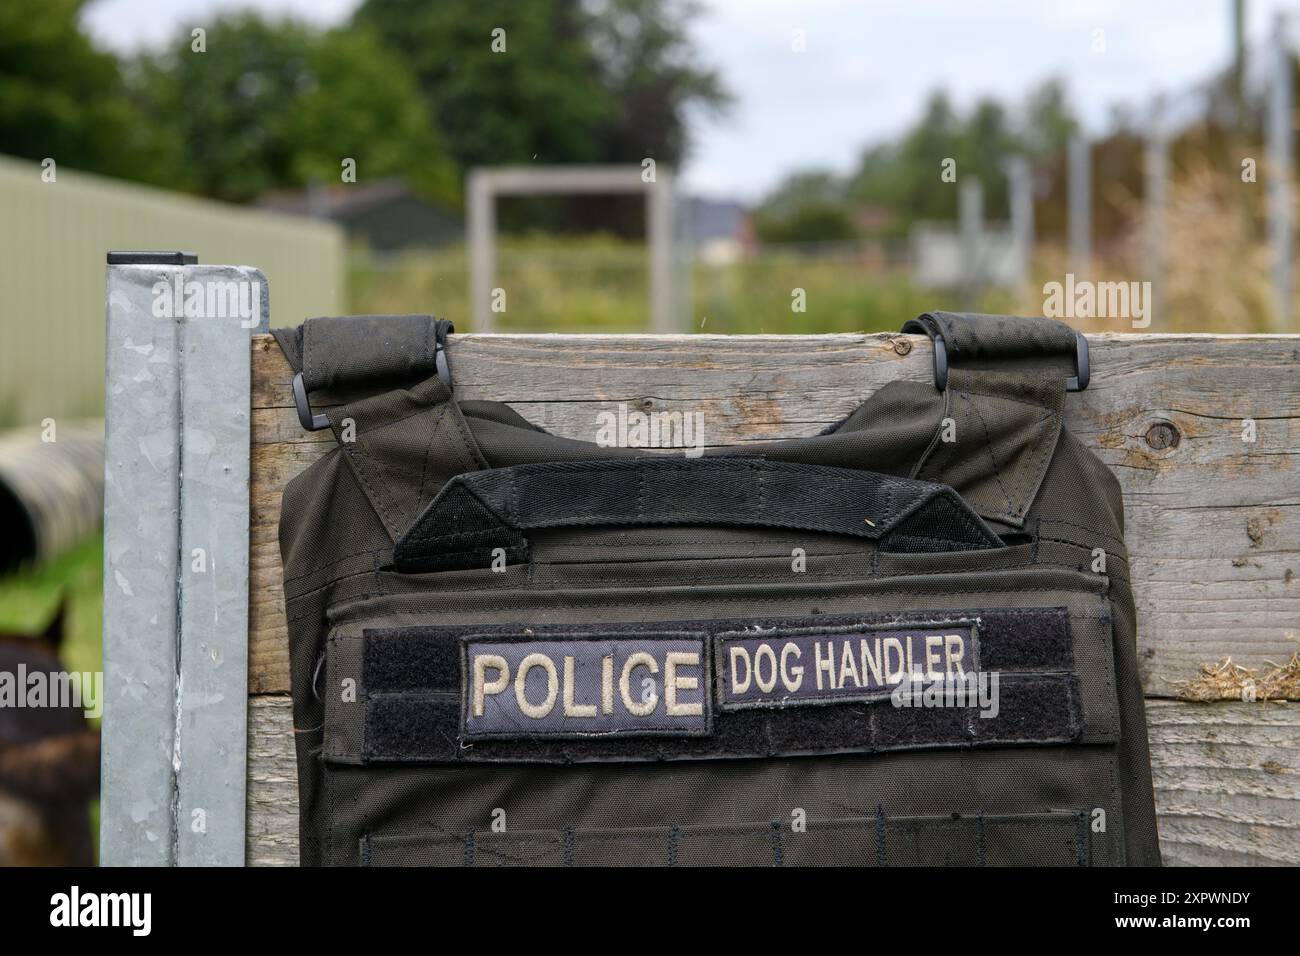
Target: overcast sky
[(868, 64)]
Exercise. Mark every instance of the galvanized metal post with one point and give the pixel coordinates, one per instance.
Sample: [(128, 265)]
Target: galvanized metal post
[(1079, 185), (482, 243), (141, 559), (1279, 132), (176, 516)]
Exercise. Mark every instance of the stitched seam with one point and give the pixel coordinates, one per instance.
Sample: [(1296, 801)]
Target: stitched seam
[(568, 585), (1082, 527), (746, 599), (468, 449), (988, 447), (419, 534), (433, 434), (1036, 465), (322, 567)]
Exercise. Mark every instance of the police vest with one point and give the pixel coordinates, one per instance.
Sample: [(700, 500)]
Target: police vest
[(907, 640)]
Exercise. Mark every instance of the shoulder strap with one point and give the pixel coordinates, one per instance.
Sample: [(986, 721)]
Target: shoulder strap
[(1004, 380), (400, 429), (338, 352), (972, 340)]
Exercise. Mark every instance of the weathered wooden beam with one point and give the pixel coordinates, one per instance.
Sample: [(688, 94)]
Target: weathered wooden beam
[(1225, 777), (1212, 521)]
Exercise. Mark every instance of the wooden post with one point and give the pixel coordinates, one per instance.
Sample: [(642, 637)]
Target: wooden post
[(1279, 132), (1156, 171)]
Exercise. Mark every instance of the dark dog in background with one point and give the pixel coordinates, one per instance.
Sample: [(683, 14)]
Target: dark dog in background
[(49, 764)]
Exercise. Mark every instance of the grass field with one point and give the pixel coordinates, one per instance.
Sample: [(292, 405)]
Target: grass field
[(29, 598), (555, 284)]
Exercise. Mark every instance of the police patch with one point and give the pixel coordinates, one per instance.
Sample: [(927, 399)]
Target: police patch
[(586, 686), (804, 666)]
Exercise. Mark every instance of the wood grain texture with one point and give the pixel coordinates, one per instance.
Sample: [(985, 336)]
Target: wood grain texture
[(1212, 521), (1227, 781)]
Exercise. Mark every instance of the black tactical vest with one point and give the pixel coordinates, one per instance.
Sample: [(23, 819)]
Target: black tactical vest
[(907, 640)]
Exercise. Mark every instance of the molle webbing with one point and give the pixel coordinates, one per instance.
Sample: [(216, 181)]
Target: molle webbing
[(479, 512), (876, 838)]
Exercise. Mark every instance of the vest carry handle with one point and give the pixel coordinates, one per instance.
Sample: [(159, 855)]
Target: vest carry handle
[(478, 512)]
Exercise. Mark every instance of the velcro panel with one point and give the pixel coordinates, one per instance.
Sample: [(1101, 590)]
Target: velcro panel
[(419, 692)]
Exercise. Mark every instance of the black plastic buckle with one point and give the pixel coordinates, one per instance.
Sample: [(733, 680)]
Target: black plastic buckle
[(309, 420), (1075, 383)]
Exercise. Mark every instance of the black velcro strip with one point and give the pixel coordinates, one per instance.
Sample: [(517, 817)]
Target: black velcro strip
[(426, 657), (414, 703), (420, 728)]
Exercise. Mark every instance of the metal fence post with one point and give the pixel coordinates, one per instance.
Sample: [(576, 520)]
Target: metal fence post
[(1079, 185), (659, 238), (176, 514), (482, 244)]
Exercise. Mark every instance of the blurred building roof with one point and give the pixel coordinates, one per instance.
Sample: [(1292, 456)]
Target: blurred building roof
[(385, 213), (716, 219)]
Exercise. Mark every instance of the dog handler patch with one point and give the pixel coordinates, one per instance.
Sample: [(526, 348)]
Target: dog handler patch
[(819, 666), (586, 686)]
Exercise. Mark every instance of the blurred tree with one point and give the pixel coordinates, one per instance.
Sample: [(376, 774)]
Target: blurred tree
[(806, 207), (648, 65), (62, 98), (809, 223), (274, 104), (904, 177), (530, 94), (555, 81), (1049, 120)]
